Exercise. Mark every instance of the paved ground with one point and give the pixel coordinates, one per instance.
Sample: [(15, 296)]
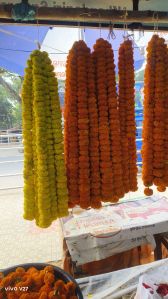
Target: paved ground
[(21, 241)]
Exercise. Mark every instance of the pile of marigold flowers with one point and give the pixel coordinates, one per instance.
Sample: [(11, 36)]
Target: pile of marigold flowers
[(92, 135), (35, 284), (45, 182), (155, 141)]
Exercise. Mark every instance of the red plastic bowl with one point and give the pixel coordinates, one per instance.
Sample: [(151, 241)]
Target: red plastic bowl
[(59, 273)]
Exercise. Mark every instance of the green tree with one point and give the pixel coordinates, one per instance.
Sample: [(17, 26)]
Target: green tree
[(10, 101), (17, 116)]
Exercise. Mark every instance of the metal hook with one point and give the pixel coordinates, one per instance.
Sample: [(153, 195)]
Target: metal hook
[(111, 33), (100, 25), (38, 32), (79, 35), (156, 21), (125, 36)]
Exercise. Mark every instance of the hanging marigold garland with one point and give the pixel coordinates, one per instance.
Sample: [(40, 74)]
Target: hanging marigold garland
[(27, 123), (166, 124), (94, 148), (77, 126), (83, 124), (71, 128), (114, 122), (45, 160), (109, 129), (155, 96), (107, 189), (159, 115), (127, 115)]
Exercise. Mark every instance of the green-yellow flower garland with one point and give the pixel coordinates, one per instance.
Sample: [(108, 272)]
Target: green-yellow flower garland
[(43, 142)]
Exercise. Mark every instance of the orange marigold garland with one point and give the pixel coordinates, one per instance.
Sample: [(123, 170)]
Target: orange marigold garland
[(95, 180), (109, 126), (159, 114), (114, 122), (123, 117), (71, 128), (166, 124), (77, 126), (107, 188), (155, 96), (83, 124), (127, 111), (147, 131)]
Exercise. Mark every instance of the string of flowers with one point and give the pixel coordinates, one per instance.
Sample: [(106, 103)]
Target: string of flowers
[(123, 116), (55, 144), (94, 150), (147, 129), (106, 170), (83, 124), (50, 192), (114, 122), (159, 114), (77, 126), (71, 128), (155, 96), (27, 122), (127, 111), (166, 123)]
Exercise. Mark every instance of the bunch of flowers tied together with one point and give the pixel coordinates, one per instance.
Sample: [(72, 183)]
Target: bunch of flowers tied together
[(45, 182), (92, 127), (155, 140)]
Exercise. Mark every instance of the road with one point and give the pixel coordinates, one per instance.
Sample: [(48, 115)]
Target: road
[(10, 163)]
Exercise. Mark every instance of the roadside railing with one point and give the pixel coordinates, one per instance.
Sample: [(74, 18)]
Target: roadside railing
[(10, 142)]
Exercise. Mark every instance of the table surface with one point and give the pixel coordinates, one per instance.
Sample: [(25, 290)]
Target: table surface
[(120, 283), (96, 234)]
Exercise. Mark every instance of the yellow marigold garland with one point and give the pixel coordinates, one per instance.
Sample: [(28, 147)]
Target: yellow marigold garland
[(27, 115), (50, 195)]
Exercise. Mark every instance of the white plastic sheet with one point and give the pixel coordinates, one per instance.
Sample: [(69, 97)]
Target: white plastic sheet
[(119, 283), (152, 280)]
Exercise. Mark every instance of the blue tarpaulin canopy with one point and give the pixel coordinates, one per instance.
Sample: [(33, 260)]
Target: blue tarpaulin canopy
[(16, 44), (18, 41)]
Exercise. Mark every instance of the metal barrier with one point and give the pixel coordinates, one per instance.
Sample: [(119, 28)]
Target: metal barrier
[(10, 142), (10, 139)]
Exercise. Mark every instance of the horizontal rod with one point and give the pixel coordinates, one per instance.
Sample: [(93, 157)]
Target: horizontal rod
[(91, 15), (10, 174), (75, 24), (11, 188), (10, 148), (16, 161)]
